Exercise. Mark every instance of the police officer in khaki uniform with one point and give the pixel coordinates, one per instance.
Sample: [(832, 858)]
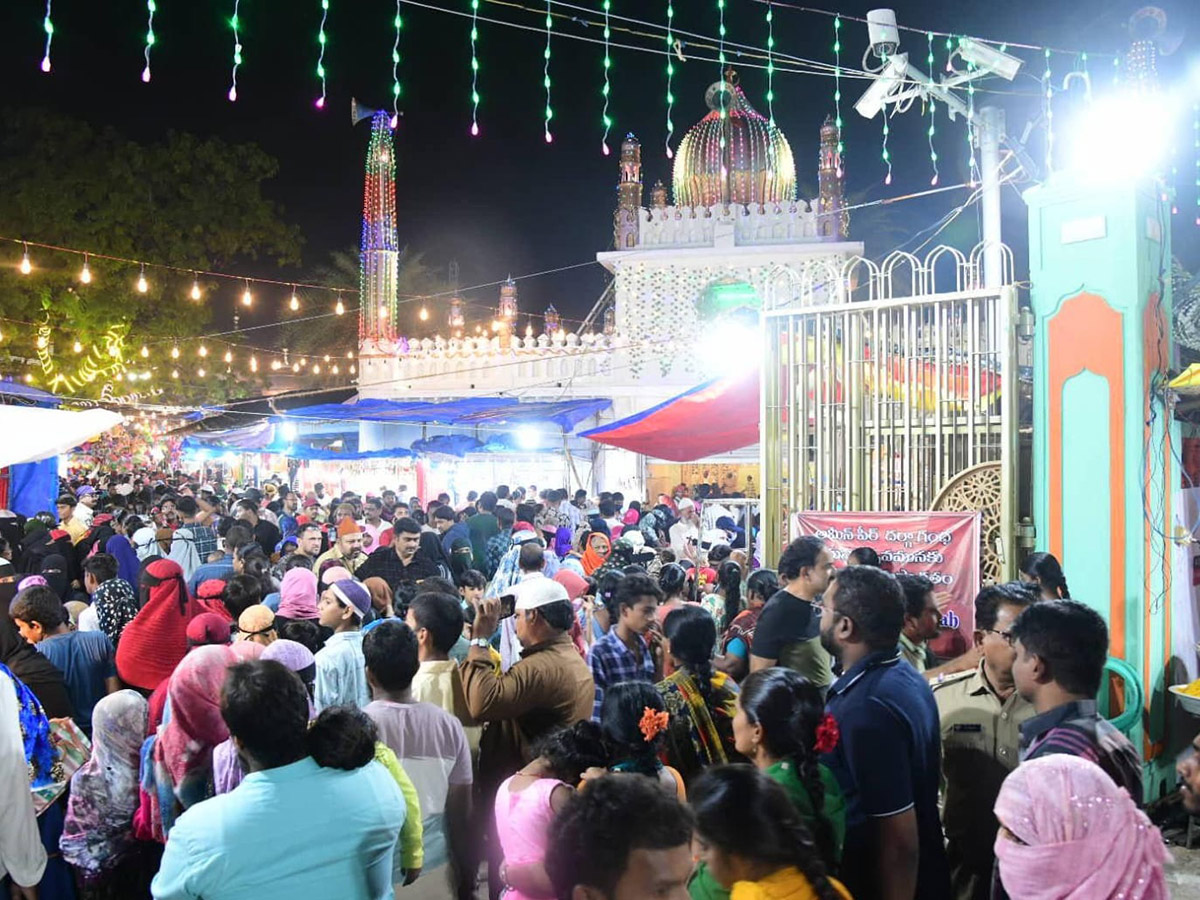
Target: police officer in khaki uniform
[(981, 713)]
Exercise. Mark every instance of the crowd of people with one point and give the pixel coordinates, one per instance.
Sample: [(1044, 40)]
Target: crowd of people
[(258, 693)]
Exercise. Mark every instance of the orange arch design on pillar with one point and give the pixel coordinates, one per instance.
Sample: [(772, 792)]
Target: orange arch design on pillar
[(1086, 333)]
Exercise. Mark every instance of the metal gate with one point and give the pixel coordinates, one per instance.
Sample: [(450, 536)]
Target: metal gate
[(893, 403)]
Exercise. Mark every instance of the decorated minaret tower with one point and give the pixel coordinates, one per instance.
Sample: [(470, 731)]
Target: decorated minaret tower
[(506, 312), (833, 220), (629, 194), (455, 320), (379, 254)]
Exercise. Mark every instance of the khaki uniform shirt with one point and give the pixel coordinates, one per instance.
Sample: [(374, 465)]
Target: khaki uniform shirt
[(980, 744), (914, 653)]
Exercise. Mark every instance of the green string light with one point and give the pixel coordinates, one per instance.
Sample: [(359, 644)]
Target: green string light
[(604, 117), (151, 9), (1048, 86), (670, 73), (322, 40), (722, 103), (933, 157), (48, 27), (398, 23), (474, 69), (770, 63), (546, 76), (837, 86), (973, 169), (237, 50)]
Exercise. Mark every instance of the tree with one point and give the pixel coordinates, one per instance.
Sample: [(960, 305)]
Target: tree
[(195, 203)]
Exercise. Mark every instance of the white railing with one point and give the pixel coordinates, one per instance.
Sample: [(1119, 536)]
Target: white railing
[(728, 225)]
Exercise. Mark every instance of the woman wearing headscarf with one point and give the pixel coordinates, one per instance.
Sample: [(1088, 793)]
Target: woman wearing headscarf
[(381, 599), (37, 673), (54, 570), (177, 764), (431, 543), (1067, 832), (97, 837), (144, 544), (227, 766), (156, 640), (297, 597), (598, 549), (121, 550), (22, 856)]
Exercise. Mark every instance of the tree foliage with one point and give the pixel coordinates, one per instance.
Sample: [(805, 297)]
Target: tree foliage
[(195, 203)]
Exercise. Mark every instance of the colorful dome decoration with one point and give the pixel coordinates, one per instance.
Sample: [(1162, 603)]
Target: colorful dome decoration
[(733, 157)]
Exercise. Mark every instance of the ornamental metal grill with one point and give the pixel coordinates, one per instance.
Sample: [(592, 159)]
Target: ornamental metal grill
[(878, 399)]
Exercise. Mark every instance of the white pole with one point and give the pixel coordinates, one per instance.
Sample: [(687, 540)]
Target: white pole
[(989, 134)]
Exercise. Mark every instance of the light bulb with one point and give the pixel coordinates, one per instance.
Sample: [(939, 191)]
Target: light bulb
[(326, 357), (142, 284), (383, 311), (340, 309), (78, 347), (253, 364), (349, 354), (294, 303), (26, 265), (175, 352), (228, 356), (335, 370), (303, 363), (145, 351), (316, 370), (295, 367), (275, 365), (41, 342), (200, 371), (85, 274), (424, 314), (352, 370), (247, 297), (29, 378), (174, 373), (195, 289), (203, 351)]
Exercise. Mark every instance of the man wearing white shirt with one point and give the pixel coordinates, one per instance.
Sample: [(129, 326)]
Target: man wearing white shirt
[(685, 534)]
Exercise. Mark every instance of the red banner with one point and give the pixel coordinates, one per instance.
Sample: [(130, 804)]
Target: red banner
[(942, 546)]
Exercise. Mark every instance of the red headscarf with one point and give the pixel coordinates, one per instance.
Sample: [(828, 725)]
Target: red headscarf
[(156, 640)]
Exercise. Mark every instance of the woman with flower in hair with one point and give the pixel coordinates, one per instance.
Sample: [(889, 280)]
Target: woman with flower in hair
[(781, 726), (633, 723)]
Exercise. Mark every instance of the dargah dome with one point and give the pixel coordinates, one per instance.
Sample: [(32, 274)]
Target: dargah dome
[(753, 164)]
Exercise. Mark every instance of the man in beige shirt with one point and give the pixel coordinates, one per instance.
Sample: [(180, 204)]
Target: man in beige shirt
[(922, 619), (437, 621), (981, 714), (347, 549)]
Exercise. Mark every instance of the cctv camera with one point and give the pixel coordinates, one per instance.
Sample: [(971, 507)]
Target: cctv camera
[(988, 58), (883, 33), (886, 83)]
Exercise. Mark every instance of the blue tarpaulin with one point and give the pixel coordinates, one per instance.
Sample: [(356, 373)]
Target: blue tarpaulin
[(296, 451), (565, 414)]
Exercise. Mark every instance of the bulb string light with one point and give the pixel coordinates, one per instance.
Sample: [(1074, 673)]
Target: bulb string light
[(549, 113), (151, 9), (85, 274), (670, 75), (26, 265), (1048, 87), (48, 27), (770, 17), (322, 40), (837, 87), (723, 103), (973, 169), (604, 91), (933, 157), (886, 153), (474, 68), (237, 51), (397, 23)]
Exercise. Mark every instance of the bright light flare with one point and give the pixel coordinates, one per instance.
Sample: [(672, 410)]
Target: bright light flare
[(1123, 137), (732, 347)]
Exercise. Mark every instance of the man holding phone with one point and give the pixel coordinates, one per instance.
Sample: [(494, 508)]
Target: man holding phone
[(685, 534)]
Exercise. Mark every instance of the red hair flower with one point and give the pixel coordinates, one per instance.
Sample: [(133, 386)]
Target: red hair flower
[(653, 722), (827, 734)]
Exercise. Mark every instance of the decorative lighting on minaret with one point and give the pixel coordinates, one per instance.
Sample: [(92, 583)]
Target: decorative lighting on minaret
[(552, 319), (658, 195), (508, 301), (833, 220), (379, 253), (629, 194)]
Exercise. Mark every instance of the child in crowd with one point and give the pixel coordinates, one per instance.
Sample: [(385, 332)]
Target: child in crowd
[(341, 672)]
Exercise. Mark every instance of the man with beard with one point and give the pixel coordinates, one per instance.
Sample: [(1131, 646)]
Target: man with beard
[(888, 757)]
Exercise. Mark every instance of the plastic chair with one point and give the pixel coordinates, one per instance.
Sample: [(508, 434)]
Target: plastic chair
[(1131, 710)]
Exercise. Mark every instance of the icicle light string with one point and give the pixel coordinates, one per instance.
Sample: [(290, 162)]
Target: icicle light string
[(322, 40), (549, 112), (604, 117), (48, 27), (151, 9), (670, 75), (474, 68), (397, 23), (837, 88), (770, 17), (237, 51)]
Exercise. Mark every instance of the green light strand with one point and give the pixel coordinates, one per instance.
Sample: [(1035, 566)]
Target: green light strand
[(237, 51), (549, 112), (837, 86), (398, 23), (151, 9), (48, 27), (322, 40), (722, 103), (604, 117), (973, 169), (770, 63), (670, 73), (933, 157), (474, 68)]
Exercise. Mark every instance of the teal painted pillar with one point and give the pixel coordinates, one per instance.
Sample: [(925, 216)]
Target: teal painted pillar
[(1103, 475)]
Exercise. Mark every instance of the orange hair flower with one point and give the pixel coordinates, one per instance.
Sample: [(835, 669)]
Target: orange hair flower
[(653, 723)]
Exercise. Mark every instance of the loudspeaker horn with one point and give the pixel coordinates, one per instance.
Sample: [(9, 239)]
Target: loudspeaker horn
[(360, 111)]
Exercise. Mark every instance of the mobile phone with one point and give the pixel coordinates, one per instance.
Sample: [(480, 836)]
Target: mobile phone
[(508, 606)]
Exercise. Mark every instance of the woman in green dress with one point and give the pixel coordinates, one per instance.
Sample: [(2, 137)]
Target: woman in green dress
[(781, 726)]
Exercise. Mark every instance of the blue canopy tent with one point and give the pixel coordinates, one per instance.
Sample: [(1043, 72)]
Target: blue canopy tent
[(566, 414), (32, 486)]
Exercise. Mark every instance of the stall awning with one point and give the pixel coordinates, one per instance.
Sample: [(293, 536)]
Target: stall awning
[(468, 411), (715, 417), (33, 432), (296, 451)]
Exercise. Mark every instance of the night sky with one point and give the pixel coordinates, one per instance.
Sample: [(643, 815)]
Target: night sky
[(507, 202)]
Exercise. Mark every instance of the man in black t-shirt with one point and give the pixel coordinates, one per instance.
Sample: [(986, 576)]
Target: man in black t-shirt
[(788, 631), (265, 534)]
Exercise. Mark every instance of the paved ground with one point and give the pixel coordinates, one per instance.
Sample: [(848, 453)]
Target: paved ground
[(1184, 876)]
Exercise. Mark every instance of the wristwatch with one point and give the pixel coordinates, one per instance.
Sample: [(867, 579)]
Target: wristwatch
[(482, 643)]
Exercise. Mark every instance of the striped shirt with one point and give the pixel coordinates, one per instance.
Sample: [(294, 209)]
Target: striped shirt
[(1076, 729)]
